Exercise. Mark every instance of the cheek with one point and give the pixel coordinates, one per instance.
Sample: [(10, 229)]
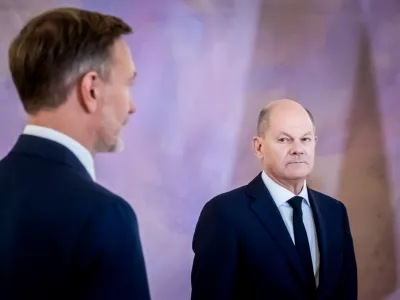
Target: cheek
[(124, 99), (111, 114), (119, 104), (275, 155), (278, 152), (311, 152), (107, 116)]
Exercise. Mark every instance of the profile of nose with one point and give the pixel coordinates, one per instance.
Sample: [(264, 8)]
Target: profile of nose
[(132, 108)]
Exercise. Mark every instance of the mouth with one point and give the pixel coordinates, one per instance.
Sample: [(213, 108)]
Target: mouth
[(297, 162)]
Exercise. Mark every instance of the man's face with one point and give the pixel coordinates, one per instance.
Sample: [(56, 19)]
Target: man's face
[(117, 100), (288, 145)]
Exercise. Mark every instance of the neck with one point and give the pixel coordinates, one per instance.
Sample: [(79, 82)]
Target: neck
[(67, 124), (295, 186)]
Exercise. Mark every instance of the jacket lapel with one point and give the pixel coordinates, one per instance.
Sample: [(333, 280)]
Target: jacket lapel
[(268, 213), (321, 229), (330, 255)]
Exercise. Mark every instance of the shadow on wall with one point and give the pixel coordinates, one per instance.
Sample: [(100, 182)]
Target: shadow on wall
[(364, 184)]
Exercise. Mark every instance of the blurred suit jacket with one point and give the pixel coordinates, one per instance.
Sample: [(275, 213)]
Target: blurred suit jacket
[(243, 249), (63, 236)]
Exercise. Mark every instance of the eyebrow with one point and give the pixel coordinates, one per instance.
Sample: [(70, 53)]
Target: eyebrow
[(287, 134), (308, 133)]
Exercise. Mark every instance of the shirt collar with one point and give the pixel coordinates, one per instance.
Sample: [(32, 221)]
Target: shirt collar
[(80, 152), (281, 195)]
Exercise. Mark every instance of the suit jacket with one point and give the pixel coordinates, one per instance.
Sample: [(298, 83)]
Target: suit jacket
[(243, 249), (62, 236)]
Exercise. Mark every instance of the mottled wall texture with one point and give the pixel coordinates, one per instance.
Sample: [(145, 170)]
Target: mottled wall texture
[(205, 68)]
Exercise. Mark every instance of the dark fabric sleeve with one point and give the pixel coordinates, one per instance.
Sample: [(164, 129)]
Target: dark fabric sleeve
[(347, 288), (110, 256), (215, 249)]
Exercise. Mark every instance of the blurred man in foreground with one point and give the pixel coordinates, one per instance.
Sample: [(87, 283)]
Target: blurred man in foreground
[(63, 236)]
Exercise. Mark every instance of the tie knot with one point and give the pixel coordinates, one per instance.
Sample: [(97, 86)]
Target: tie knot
[(295, 202)]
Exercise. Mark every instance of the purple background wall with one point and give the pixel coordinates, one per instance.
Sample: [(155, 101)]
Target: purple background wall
[(205, 69)]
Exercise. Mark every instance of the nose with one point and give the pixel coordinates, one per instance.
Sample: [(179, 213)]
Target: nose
[(297, 149), (132, 107)]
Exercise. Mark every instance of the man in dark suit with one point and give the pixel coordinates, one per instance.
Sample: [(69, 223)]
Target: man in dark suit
[(63, 236), (276, 238)]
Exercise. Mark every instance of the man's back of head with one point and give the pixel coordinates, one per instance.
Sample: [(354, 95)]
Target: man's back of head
[(73, 72)]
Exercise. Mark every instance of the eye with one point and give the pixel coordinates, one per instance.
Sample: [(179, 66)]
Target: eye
[(306, 139), (283, 140)]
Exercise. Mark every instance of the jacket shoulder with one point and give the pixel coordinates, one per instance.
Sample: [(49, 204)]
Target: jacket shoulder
[(230, 198), (328, 201)]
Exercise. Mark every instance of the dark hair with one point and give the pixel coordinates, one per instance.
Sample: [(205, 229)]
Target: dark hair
[(264, 116), (56, 48)]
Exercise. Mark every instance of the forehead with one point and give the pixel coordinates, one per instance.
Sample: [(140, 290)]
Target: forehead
[(122, 57), (295, 121)]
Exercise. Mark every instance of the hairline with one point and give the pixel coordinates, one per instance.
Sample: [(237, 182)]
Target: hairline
[(264, 119)]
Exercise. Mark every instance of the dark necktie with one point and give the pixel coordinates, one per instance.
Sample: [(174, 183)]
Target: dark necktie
[(301, 240)]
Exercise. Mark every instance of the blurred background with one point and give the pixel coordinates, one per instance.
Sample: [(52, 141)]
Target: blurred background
[(205, 68)]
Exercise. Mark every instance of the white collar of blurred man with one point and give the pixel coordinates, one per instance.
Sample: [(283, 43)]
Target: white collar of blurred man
[(83, 154)]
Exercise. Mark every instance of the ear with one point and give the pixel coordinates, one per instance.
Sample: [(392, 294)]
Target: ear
[(258, 147), (91, 91)]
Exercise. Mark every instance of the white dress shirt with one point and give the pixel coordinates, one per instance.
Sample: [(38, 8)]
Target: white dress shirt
[(281, 195), (80, 152)]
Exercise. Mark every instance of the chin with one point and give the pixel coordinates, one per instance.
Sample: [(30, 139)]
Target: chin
[(298, 173), (111, 146), (295, 177), (116, 146), (119, 145)]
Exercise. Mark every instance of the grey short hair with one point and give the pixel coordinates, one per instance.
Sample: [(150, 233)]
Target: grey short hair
[(264, 119)]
